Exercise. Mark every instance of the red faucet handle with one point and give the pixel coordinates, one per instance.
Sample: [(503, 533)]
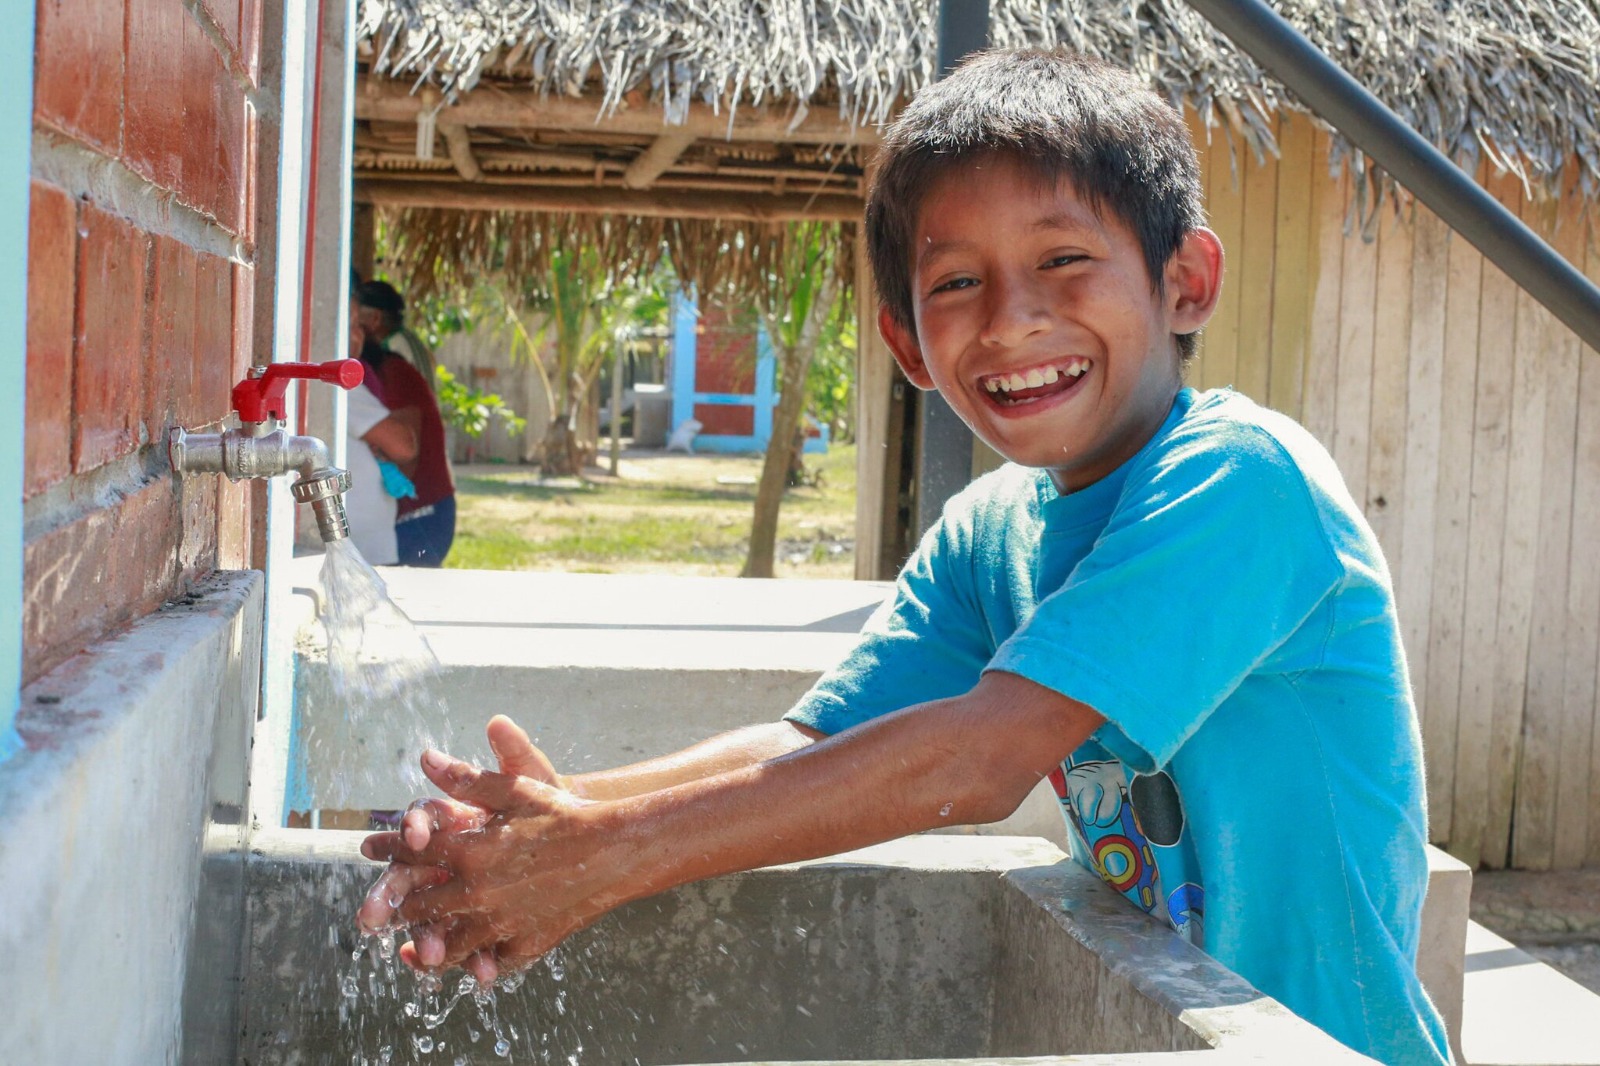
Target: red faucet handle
[(259, 398)]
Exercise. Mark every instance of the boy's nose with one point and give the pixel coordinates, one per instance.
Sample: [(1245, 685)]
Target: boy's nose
[(1015, 313)]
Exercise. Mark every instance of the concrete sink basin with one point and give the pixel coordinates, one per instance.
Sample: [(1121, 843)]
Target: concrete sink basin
[(932, 950)]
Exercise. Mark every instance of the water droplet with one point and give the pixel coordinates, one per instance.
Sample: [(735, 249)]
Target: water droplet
[(424, 1043), (502, 1047), (385, 1053), (944, 812), (349, 987), (411, 1010), (557, 971)]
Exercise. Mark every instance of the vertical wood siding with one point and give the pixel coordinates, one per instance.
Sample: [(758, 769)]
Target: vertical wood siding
[(1466, 421)]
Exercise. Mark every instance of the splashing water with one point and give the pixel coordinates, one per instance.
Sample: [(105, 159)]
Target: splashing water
[(421, 999)]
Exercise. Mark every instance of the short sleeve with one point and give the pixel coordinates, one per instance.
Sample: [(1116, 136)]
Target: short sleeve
[(926, 642), (1214, 556), (364, 411)]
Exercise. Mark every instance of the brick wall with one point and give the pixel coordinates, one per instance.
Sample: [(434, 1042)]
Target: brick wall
[(725, 362), (139, 306)]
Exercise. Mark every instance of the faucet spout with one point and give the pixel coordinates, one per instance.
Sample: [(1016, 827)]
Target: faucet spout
[(259, 448), (243, 455)]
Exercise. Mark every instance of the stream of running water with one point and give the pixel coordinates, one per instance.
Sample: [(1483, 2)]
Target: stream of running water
[(385, 676)]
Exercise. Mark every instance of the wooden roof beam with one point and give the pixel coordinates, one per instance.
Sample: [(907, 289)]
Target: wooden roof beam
[(659, 203), (459, 146), (382, 100), (654, 161)]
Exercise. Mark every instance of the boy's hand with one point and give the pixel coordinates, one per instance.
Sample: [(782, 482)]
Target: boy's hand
[(497, 891), (517, 756)]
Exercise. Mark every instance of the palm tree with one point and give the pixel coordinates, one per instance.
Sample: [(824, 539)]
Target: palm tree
[(803, 290)]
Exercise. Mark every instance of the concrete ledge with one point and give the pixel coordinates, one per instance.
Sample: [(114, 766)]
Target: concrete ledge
[(1442, 945), (1520, 1012), (129, 795)]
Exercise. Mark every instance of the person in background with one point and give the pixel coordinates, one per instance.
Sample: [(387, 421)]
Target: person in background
[(375, 436), (425, 522), (383, 317)]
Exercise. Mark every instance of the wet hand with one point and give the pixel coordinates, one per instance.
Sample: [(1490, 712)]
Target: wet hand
[(534, 871), (405, 848)]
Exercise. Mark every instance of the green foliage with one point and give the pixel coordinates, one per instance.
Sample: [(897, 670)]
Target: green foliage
[(831, 379), (471, 410)]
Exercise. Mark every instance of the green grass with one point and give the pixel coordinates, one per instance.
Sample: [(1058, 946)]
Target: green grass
[(665, 514)]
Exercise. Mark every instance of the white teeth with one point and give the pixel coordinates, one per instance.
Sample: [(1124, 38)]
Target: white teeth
[(1036, 377)]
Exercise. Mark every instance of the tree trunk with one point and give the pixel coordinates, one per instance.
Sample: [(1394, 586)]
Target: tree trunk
[(785, 424), (560, 455)]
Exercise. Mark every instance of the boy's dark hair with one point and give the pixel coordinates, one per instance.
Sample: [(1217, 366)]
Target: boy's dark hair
[(1059, 114)]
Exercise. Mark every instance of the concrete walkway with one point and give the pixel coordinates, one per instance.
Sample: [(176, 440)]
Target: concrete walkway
[(1552, 915)]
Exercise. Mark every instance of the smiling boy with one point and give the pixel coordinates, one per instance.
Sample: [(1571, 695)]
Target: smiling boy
[(1167, 602)]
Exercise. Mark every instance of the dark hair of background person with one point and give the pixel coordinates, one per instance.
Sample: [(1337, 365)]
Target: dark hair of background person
[(386, 299)]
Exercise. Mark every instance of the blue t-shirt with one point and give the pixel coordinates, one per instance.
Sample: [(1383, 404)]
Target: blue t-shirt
[(1220, 599)]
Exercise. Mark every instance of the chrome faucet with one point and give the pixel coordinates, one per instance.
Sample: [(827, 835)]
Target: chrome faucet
[(260, 447)]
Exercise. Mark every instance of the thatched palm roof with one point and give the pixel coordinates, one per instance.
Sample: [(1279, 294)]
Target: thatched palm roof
[(1509, 75), (1513, 79)]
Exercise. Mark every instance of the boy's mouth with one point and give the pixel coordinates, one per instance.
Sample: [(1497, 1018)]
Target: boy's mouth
[(1035, 383)]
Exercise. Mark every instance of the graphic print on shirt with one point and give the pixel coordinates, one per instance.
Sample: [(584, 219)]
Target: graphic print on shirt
[(1131, 833)]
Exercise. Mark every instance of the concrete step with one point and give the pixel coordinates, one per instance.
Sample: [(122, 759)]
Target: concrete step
[(1519, 1012)]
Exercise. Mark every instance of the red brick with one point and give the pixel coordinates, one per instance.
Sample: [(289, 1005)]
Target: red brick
[(225, 13), (244, 305), (213, 338), (86, 580), (250, 38), (233, 525), (52, 279), (154, 133), (107, 386), (197, 508), (229, 175), (252, 149), (78, 69), (170, 392), (202, 77)]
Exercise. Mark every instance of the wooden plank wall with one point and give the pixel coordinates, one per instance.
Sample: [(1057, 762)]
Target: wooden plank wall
[(1466, 420)]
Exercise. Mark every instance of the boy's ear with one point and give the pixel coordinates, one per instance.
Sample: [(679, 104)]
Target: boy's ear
[(907, 352), (1194, 280)]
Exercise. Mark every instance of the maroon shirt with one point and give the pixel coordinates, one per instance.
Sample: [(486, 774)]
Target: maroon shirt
[(401, 385)]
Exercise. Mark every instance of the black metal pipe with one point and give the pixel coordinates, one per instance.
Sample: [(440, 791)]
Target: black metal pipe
[(944, 443), (1451, 194)]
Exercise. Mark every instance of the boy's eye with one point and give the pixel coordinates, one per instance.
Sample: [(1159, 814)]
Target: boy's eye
[(953, 284), (1064, 260)]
